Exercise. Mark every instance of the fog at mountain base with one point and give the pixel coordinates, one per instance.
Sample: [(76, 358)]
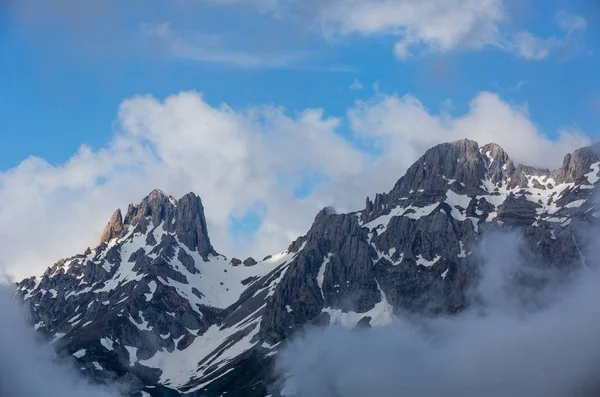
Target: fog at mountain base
[(520, 341)]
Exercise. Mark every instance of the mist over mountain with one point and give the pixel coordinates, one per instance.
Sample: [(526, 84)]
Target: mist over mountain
[(30, 367), (472, 276), (519, 340)]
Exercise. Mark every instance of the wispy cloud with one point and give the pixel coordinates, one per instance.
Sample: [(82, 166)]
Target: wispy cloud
[(570, 23), (356, 85), (527, 45), (518, 86), (418, 27), (213, 48)]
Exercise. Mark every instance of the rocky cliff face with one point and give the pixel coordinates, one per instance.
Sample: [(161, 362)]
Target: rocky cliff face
[(155, 302)]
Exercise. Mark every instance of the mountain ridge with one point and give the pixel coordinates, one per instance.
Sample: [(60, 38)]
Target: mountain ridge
[(184, 319)]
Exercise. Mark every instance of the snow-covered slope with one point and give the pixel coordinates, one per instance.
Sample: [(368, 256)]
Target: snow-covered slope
[(156, 300), (145, 302)]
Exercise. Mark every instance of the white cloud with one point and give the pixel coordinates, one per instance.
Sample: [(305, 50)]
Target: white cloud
[(444, 25), (235, 159), (439, 25), (529, 46), (569, 22), (396, 124)]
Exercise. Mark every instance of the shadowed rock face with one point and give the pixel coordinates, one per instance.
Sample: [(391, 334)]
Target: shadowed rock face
[(190, 225), (155, 301)]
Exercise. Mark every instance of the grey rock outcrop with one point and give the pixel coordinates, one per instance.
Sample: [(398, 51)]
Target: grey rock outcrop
[(249, 262)]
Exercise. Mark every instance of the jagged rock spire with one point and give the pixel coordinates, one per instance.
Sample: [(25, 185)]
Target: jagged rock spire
[(156, 205), (190, 225), (114, 229), (184, 217)]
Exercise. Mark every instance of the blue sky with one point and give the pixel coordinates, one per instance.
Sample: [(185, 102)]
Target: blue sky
[(403, 74), (59, 93)]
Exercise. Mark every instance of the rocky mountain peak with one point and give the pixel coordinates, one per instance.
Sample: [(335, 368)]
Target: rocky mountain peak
[(114, 229), (499, 164), (453, 161), (577, 164), (184, 217), (190, 225), (156, 205), (465, 169)]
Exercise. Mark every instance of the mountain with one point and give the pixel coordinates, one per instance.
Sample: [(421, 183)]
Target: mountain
[(155, 305)]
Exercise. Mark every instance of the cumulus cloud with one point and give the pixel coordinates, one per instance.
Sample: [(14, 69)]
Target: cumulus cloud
[(445, 25), (440, 25), (30, 367), (238, 160), (501, 347), (402, 124)]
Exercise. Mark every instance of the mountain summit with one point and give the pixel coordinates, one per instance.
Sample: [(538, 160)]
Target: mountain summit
[(156, 303)]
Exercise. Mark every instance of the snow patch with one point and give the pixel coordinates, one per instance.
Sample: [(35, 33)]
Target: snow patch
[(592, 176), (575, 204), (457, 200), (384, 220), (382, 314), (152, 286), (107, 343), (74, 318), (321, 275), (132, 351), (79, 353), (426, 263)]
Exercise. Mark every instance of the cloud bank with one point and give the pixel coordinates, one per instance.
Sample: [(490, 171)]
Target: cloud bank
[(240, 161), (30, 367), (504, 347)]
